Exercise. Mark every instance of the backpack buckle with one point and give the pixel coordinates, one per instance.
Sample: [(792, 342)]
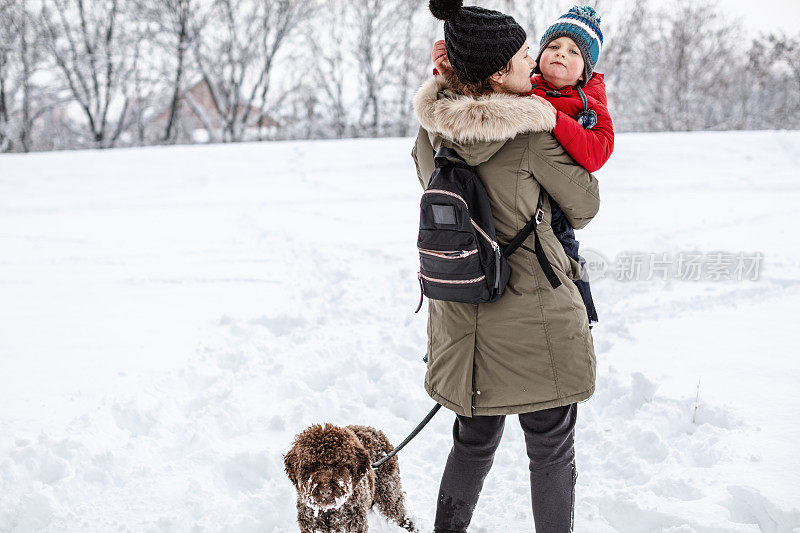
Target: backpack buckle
[(539, 215)]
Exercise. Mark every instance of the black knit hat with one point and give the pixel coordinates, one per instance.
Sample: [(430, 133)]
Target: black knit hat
[(479, 42)]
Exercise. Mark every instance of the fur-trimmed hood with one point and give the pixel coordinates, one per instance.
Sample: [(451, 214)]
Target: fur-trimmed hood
[(469, 120)]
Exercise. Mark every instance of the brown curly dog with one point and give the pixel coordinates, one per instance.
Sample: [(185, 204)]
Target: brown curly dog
[(336, 486)]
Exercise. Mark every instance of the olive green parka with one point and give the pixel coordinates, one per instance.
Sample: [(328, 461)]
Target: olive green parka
[(532, 349)]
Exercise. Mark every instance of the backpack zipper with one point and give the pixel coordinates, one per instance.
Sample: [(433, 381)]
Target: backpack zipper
[(458, 254), (420, 276), (496, 265), (453, 281), (448, 193), (421, 292), (496, 248)]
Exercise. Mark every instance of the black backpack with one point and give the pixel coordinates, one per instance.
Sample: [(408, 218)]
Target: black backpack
[(460, 259)]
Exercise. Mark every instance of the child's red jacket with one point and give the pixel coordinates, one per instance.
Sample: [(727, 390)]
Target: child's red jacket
[(590, 148)]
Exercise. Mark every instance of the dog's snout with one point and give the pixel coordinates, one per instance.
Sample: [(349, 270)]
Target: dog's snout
[(325, 493)]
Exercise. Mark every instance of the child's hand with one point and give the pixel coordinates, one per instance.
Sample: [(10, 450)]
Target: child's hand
[(545, 102), (439, 57)]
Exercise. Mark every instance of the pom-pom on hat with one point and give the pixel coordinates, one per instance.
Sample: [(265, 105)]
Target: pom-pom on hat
[(582, 25), (479, 42), (446, 9)]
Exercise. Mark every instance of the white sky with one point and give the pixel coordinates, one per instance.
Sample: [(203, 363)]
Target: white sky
[(766, 15)]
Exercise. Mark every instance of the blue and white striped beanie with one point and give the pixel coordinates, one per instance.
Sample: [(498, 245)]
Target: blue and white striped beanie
[(582, 25)]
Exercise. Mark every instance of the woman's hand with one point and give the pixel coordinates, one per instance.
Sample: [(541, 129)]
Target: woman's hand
[(546, 103), (439, 57)]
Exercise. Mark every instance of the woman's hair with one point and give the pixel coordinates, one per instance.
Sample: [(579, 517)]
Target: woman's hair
[(480, 88)]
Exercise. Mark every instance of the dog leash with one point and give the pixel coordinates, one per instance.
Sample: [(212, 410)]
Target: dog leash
[(413, 434)]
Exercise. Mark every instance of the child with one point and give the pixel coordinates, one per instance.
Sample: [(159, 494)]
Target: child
[(564, 76)]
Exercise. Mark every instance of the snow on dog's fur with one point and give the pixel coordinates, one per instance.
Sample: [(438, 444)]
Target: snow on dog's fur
[(336, 486)]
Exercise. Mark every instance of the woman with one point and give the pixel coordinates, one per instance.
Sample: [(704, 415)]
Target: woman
[(530, 353)]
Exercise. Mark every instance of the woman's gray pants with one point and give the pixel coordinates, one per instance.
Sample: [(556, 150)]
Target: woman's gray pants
[(549, 439)]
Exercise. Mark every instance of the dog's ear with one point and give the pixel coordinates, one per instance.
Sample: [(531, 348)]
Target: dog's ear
[(355, 455), (362, 463), (291, 464)]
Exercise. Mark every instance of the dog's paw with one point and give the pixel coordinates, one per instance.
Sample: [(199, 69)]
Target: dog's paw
[(407, 524)]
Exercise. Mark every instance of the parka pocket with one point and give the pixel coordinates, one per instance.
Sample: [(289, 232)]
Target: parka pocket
[(575, 269), (561, 259)]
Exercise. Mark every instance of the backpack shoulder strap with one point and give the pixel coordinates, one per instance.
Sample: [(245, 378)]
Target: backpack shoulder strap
[(523, 234), (526, 230), (441, 156)]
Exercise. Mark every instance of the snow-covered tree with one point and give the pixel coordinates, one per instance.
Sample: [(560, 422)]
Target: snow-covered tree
[(95, 56), (22, 101), (174, 27), (235, 56)]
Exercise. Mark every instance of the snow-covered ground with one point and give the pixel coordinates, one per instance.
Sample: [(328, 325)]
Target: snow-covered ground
[(171, 317)]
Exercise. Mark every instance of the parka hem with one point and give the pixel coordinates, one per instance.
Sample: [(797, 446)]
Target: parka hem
[(444, 401), (512, 409)]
